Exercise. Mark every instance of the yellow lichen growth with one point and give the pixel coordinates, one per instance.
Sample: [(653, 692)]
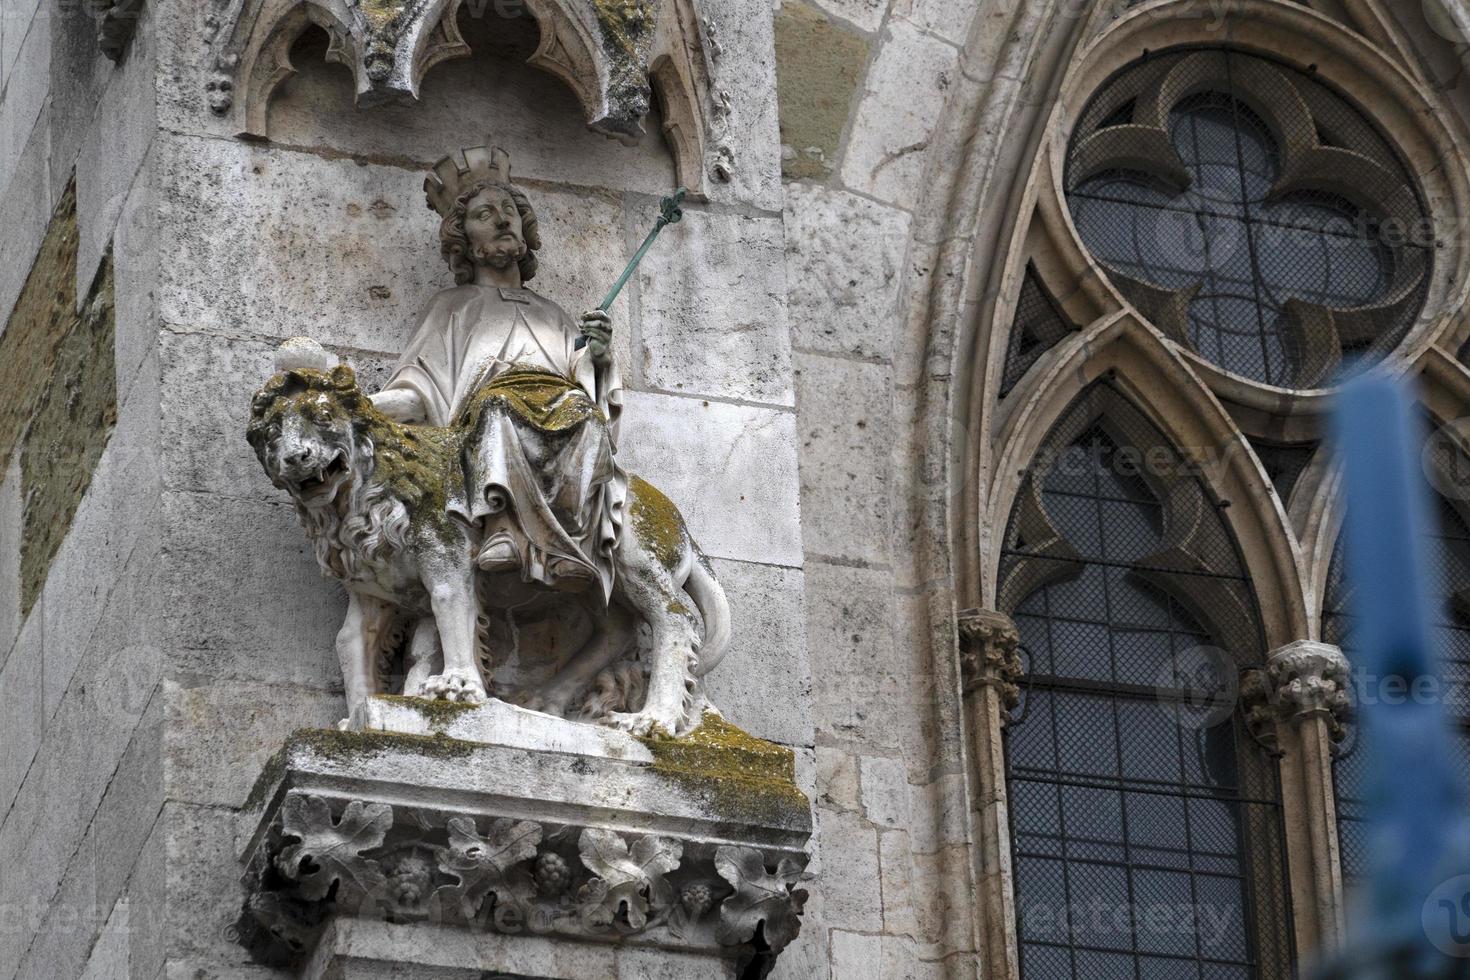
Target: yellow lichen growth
[(744, 778), (656, 521)]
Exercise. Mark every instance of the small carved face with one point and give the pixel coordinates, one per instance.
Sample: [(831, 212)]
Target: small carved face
[(492, 222), (303, 432)]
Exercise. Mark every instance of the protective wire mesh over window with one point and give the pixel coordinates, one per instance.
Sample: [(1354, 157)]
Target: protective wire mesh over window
[(1039, 325), (1146, 825), (1251, 214), (1447, 554)]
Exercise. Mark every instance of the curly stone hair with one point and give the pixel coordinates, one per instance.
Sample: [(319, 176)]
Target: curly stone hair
[(454, 243)]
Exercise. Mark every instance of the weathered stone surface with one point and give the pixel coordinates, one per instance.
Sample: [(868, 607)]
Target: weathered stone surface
[(744, 76), (135, 275), (850, 612), (26, 85), (112, 152), (109, 956), (855, 956), (344, 253), (764, 685), (22, 723), (10, 525), (851, 893), (202, 881), (885, 791), (866, 15), (15, 21), (103, 561), (64, 786), (905, 92), (731, 469), (844, 258), (946, 18), (818, 66), (219, 736), (729, 337), (68, 433), (26, 211), (839, 784), (255, 553), (148, 941), (843, 413)]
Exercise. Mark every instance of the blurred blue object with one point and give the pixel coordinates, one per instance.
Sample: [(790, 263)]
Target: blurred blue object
[(1413, 918)]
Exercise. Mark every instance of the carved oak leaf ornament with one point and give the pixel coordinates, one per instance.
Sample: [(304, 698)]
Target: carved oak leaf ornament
[(484, 864), (631, 878), (760, 896), (326, 852)]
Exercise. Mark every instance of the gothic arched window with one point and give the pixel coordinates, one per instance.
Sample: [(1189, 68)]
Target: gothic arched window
[(1251, 214), (1447, 556), (1146, 826)]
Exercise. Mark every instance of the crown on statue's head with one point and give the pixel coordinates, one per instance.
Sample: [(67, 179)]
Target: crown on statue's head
[(458, 171)]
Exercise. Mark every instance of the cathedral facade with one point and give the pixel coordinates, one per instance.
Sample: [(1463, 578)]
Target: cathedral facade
[(949, 479)]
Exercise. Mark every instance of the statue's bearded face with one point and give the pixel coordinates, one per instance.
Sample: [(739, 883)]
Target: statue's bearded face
[(493, 225)]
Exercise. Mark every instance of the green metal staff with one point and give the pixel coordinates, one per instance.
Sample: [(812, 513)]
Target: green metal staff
[(669, 213)]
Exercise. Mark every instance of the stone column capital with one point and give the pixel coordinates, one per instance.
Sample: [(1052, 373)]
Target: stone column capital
[(1302, 680), (989, 654)]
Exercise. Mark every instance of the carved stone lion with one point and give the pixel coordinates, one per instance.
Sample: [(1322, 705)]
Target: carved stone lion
[(371, 494)]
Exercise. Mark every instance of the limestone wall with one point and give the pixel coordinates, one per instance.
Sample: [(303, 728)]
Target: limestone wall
[(81, 769)]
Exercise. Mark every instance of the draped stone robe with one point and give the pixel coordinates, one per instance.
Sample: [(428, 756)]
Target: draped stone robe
[(539, 418)]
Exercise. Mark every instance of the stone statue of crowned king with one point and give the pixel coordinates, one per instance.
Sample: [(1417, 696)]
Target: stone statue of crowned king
[(475, 509), (495, 357)]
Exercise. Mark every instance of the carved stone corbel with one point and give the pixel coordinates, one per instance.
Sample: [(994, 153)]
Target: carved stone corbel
[(1297, 708), (990, 671), (613, 54), (117, 21), (1300, 681), (989, 654), (695, 848)]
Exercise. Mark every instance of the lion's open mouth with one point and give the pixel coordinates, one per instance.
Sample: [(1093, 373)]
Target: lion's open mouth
[(326, 479)]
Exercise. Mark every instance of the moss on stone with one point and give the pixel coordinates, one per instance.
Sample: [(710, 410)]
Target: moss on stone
[(68, 432), (656, 521), (275, 768), (818, 66), (439, 714), (625, 23), (743, 778), (340, 746), (37, 325)]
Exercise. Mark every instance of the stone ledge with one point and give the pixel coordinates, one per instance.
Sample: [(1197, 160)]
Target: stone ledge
[(688, 849)]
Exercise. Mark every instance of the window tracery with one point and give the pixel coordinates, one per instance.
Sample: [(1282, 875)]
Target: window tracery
[(1251, 213)]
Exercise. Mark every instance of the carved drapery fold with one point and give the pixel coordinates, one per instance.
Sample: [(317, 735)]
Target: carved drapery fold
[(614, 56)]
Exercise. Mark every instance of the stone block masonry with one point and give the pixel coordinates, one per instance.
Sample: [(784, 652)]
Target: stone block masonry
[(59, 402)]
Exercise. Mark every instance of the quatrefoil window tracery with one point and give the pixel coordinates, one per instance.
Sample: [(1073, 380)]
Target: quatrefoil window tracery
[(1251, 214)]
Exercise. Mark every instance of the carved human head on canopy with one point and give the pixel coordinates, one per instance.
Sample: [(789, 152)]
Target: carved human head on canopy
[(456, 182)]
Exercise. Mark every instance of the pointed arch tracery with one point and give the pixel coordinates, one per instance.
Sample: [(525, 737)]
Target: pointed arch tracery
[(1126, 776)]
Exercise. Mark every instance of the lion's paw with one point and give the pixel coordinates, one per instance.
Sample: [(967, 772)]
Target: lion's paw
[(644, 722), (455, 685)]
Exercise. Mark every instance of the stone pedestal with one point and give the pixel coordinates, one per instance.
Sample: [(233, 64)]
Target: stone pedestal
[(488, 841)]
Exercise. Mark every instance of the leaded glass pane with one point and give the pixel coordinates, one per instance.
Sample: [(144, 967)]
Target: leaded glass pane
[(1146, 831)]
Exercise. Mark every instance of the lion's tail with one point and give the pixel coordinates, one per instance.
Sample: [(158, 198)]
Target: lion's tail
[(709, 598)]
